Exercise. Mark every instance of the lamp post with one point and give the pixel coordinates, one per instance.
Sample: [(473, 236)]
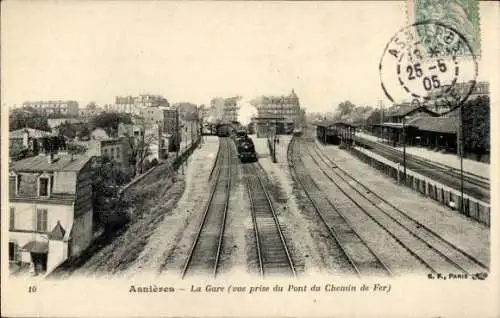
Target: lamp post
[(274, 141), (177, 134), (461, 149), (404, 149)]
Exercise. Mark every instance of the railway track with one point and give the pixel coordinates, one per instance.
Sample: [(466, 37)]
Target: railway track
[(474, 185), (435, 252), (204, 254), (363, 260), (272, 250)]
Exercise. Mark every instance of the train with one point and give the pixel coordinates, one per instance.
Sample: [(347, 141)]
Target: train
[(239, 134), (328, 134), (223, 130), (297, 131), (246, 148)]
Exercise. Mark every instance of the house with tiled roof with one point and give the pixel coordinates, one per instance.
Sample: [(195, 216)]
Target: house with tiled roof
[(23, 137), (397, 113), (26, 140), (50, 210)]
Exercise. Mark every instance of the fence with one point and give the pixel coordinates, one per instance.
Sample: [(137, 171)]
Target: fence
[(272, 150), (474, 209), (166, 168)]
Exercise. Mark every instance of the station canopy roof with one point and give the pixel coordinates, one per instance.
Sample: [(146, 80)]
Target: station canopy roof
[(447, 125), (337, 123), (391, 125)]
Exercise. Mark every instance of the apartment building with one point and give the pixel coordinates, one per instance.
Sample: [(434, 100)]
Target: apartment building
[(50, 210), (134, 104), (117, 149), (287, 107), (60, 107)]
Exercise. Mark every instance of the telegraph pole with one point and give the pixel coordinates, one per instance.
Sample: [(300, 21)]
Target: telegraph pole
[(404, 149), (274, 141), (176, 137), (461, 149)]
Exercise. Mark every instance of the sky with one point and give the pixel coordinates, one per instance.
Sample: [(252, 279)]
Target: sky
[(328, 52)]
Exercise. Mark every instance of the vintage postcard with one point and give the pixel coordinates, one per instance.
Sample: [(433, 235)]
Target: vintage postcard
[(242, 159)]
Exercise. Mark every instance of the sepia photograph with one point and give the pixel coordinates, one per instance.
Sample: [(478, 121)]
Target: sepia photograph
[(331, 158)]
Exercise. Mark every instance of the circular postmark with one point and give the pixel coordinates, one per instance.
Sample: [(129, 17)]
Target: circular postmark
[(428, 63)]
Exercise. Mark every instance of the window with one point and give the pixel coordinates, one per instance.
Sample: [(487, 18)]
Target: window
[(12, 251), (43, 186), (12, 218), (41, 220), (14, 182)]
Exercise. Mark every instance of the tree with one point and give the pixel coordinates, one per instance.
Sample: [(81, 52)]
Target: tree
[(68, 130), (28, 118), (109, 121), (91, 106), (84, 132), (476, 125), (140, 144), (187, 111), (108, 204), (359, 115), (344, 108), (17, 151), (375, 117)]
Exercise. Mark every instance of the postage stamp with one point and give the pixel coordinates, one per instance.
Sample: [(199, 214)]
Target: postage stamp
[(461, 15)]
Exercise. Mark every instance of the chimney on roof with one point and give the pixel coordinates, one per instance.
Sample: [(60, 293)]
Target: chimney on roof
[(26, 138), (50, 158)]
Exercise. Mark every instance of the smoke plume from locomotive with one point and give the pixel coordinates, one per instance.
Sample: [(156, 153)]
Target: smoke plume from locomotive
[(245, 112)]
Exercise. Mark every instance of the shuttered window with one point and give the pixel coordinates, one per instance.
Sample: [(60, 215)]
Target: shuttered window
[(12, 218), (12, 185), (43, 187), (12, 251), (41, 220)]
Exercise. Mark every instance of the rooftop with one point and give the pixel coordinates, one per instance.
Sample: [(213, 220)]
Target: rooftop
[(390, 125), (326, 123), (405, 109), (61, 162), (50, 102), (33, 133), (436, 124)]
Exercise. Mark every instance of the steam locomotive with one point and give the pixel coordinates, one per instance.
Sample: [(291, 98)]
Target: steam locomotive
[(246, 149)]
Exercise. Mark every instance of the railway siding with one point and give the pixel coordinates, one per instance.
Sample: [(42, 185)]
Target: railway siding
[(362, 258), (430, 247), (474, 208), (205, 252), (472, 237)]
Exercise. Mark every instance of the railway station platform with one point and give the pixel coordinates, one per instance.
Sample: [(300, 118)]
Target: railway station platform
[(474, 208), (452, 160), (281, 148)]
